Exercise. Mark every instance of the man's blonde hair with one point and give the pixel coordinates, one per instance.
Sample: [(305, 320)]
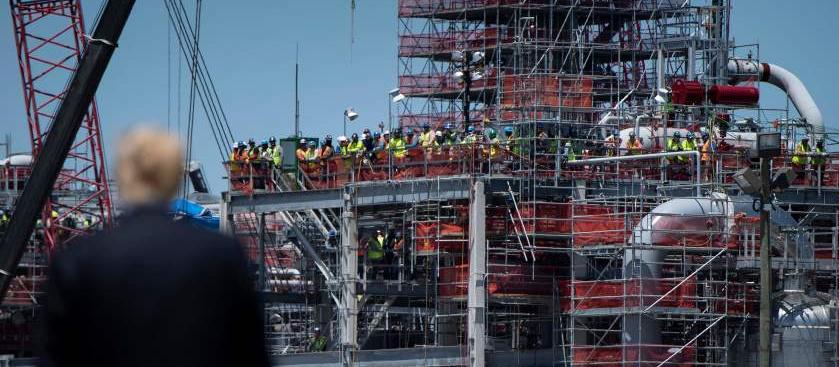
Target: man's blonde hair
[(150, 166)]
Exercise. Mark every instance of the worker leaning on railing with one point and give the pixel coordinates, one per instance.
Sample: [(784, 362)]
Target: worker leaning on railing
[(397, 145), (633, 145)]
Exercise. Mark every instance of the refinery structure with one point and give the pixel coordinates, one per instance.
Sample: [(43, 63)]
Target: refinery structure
[(560, 244)]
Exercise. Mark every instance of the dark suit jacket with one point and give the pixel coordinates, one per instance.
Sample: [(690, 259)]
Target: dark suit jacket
[(152, 292)]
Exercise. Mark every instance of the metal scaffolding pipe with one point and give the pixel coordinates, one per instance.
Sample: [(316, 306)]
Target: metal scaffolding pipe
[(694, 153)]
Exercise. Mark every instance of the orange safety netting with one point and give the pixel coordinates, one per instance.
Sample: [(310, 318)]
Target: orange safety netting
[(633, 293), (502, 280), (547, 218), (598, 225), (551, 91), (634, 355), (431, 236)]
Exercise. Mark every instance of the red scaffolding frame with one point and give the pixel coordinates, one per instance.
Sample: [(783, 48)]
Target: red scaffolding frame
[(49, 36)]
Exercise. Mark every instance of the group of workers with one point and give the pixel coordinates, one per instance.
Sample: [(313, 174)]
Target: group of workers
[(815, 156), (365, 147)]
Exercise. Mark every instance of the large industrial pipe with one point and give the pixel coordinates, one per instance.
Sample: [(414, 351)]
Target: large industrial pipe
[(743, 70)]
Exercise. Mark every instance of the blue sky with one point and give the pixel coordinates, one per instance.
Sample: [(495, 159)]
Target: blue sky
[(250, 48)]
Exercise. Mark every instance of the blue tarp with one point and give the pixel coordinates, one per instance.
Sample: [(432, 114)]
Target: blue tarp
[(194, 213)]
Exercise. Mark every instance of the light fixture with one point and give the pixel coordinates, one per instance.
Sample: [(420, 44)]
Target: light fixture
[(458, 75), (457, 55), (398, 97), (393, 92), (477, 57), (783, 179), (664, 91), (768, 144), (748, 181), (477, 75), (661, 100), (351, 114)]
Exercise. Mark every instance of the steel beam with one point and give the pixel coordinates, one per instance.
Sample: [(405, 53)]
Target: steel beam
[(477, 277), (348, 314)]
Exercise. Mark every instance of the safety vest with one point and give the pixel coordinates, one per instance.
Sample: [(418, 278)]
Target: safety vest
[(819, 159), (376, 248), (397, 147), (800, 156), (469, 139), (276, 155), (513, 144), (570, 155), (706, 151), (688, 145), (355, 147), (253, 154), (494, 145), (426, 138), (676, 146), (318, 344), (633, 147)]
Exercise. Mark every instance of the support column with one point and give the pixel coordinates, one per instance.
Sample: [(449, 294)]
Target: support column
[(225, 224), (477, 277), (261, 229), (348, 315)]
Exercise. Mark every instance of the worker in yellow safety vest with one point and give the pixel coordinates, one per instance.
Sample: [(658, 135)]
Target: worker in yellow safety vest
[(819, 160), (252, 153), (355, 147), (426, 138), (276, 152), (376, 247), (689, 144), (675, 145), (396, 145), (800, 157), (494, 145)]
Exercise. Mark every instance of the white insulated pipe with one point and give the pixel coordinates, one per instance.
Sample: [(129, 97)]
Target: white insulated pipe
[(742, 70), (694, 153)]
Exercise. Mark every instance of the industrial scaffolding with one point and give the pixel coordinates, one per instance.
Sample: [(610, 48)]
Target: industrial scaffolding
[(559, 249)]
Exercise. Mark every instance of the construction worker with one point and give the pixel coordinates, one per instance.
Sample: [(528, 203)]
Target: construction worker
[(494, 145), (376, 249), (276, 152), (707, 150), (355, 146), (302, 150), (326, 149), (252, 153), (265, 151), (689, 144), (569, 154), (471, 137), (371, 142), (675, 145), (396, 146), (4, 221), (385, 139), (235, 152), (511, 141), (410, 141), (633, 145), (450, 138), (243, 152), (611, 143), (800, 157), (318, 342), (819, 160), (345, 153), (427, 136)]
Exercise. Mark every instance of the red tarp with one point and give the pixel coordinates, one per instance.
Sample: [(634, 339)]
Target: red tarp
[(633, 293), (634, 355)]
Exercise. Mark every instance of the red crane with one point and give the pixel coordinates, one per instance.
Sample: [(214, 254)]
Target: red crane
[(50, 38)]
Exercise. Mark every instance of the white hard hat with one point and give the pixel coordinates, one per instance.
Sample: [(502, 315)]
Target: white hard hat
[(387, 132), (438, 133), (342, 138), (302, 141), (235, 146)]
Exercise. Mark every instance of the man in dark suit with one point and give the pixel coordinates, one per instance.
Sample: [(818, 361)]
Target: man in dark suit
[(152, 292)]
